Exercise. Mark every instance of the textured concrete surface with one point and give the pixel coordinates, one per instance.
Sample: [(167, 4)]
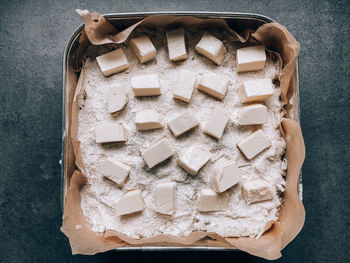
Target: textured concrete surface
[(33, 36)]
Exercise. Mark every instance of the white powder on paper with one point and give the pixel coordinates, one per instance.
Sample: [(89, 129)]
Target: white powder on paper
[(100, 195)]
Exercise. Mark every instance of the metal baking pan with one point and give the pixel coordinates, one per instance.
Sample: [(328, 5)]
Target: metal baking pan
[(121, 21)]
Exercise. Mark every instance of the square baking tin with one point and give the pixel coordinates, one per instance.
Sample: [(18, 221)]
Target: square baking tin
[(238, 21)]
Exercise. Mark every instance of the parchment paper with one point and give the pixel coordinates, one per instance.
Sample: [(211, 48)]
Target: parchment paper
[(280, 43)]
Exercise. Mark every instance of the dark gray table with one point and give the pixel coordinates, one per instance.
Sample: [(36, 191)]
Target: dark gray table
[(32, 39)]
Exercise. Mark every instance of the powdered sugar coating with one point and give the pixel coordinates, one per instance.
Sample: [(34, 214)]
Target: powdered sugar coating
[(99, 196)]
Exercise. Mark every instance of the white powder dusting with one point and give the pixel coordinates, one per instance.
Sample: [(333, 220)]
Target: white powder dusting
[(99, 196)]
